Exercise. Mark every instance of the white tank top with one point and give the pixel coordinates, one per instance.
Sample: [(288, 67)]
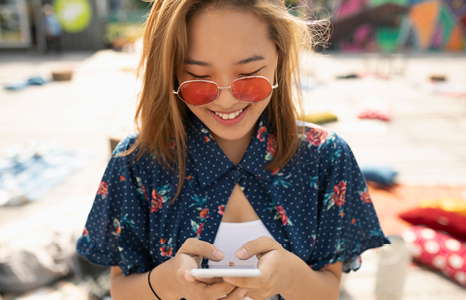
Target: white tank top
[(231, 236)]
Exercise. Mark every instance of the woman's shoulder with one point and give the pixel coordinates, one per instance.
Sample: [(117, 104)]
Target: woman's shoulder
[(129, 152), (125, 144), (315, 136)]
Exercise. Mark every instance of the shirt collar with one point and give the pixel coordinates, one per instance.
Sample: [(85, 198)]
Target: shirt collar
[(261, 150), (211, 162), (209, 159)]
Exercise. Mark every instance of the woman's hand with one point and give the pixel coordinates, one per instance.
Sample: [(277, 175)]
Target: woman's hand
[(188, 257), (276, 265)]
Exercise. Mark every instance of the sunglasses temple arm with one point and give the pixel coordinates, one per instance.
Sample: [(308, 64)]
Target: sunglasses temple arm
[(276, 76)]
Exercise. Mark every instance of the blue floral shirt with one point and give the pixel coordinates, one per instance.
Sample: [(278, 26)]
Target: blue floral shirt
[(317, 206)]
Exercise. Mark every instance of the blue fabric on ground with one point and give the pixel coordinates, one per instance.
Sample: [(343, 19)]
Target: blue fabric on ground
[(36, 176), (21, 84), (379, 174)]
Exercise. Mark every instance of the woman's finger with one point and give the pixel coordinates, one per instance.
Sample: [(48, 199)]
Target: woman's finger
[(260, 245), (236, 294), (196, 247), (210, 281), (248, 282), (217, 290)]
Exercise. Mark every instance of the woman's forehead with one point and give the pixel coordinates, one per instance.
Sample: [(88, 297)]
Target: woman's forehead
[(231, 37)]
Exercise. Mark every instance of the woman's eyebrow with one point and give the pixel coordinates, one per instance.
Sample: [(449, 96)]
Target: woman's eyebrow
[(255, 57), (250, 59), (190, 61)]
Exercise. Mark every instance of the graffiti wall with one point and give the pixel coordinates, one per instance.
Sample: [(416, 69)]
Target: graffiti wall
[(429, 25)]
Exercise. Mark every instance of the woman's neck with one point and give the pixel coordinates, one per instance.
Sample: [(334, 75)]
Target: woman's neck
[(235, 149)]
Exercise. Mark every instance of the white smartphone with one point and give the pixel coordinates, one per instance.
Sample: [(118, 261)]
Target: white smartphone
[(210, 271)]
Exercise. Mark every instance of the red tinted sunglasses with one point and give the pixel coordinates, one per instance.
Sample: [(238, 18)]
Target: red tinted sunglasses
[(249, 89)]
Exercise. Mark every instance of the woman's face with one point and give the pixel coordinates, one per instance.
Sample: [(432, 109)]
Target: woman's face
[(224, 46)]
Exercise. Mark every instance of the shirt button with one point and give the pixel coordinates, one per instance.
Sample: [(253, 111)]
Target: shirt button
[(236, 173), (273, 225)]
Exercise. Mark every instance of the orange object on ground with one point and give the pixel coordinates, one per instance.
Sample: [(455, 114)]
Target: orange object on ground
[(390, 202)]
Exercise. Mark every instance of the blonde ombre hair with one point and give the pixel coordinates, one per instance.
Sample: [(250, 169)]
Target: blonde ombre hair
[(160, 116)]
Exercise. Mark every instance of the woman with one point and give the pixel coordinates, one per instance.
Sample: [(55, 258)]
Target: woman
[(220, 171)]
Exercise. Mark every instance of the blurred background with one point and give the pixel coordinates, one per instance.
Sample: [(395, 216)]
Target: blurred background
[(389, 76)]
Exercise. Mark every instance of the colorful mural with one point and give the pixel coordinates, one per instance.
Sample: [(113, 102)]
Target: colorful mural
[(435, 25)]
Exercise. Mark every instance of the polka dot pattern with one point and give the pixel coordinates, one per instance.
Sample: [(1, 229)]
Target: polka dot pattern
[(317, 206), (439, 251)]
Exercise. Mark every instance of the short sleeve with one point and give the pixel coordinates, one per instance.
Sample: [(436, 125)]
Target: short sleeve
[(116, 231), (347, 222)]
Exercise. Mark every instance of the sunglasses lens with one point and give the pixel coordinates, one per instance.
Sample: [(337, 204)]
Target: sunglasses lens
[(198, 92), (251, 89)]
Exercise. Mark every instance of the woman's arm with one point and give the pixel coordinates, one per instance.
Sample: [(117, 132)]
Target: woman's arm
[(171, 280), (136, 286), (309, 284)]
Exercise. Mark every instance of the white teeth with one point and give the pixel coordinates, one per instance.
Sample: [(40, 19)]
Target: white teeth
[(229, 116)]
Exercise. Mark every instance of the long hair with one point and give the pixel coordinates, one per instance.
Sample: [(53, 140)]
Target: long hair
[(160, 116)]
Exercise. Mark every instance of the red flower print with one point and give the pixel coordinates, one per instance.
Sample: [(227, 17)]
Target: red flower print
[(166, 251), (199, 229), (163, 241), (173, 145), (271, 144), (103, 189), (316, 135), (365, 197), (353, 221), (204, 213), (85, 232), (190, 177), (221, 209), (122, 178), (206, 139), (261, 133), (144, 191), (282, 214), (118, 230), (275, 171), (339, 194), (156, 202)]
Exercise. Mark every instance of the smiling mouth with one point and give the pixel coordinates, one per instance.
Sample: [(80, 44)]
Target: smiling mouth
[(230, 116)]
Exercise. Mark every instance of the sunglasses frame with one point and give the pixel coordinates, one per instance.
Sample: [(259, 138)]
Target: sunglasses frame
[(177, 92)]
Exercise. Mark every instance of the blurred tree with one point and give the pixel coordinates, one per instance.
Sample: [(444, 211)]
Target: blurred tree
[(139, 4)]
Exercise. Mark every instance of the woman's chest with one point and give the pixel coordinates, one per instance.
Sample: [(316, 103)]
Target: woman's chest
[(199, 212)]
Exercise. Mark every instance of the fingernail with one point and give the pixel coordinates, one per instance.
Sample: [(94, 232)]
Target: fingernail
[(229, 279), (241, 293), (241, 253), (217, 254)]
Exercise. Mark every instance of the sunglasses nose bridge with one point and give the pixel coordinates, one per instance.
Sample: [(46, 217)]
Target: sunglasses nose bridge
[(225, 88)]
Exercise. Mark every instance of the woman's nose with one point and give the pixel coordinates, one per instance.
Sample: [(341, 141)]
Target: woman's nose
[(226, 99)]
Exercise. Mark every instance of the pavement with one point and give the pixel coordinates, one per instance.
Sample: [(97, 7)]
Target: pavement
[(425, 141)]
